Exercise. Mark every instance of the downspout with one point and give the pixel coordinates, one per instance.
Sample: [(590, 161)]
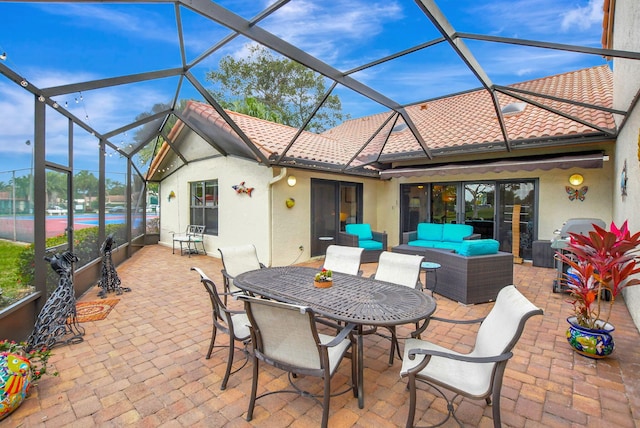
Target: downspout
[(274, 180)]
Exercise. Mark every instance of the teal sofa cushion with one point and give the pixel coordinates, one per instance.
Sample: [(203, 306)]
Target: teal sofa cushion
[(370, 244), (456, 232), (363, 231), (429, 232), (422, 243), (478, 247), (442, 245)]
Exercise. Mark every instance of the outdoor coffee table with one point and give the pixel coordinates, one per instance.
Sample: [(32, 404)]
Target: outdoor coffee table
[(351, 299)]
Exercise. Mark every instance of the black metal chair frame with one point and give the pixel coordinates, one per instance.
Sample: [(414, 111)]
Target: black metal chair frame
[(223, 321)]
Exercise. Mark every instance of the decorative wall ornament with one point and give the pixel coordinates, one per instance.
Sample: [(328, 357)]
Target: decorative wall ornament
[(578, 194), (290, 202), (623, 179), (241, 188), (172, 195)]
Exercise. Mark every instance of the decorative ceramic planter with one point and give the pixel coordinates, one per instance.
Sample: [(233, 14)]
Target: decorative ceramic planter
[(592, 343), (15, 379), (322, 284)]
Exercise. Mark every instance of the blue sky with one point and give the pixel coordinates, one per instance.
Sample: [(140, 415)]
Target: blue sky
[(57, 44)]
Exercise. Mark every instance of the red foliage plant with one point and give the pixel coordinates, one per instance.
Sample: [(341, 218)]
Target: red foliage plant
[(601, 263)]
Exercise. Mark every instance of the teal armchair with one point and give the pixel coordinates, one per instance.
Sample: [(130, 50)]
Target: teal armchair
[(361, 235)]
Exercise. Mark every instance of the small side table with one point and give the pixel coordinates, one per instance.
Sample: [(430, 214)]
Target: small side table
[(430, 267), (325, 241)]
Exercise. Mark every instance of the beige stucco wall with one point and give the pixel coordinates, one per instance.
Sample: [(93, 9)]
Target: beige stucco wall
[(242, 218), (292, 226), (626, 75)]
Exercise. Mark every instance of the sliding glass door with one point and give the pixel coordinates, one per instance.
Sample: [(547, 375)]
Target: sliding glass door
[(488, 206), (479, 208), (517, 217)]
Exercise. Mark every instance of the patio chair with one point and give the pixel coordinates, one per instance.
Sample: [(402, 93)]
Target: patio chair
[(477, 374), (236, 260), (343, 259), (401, 269), (361, 235), (193, 235), (285, 336), (234, 323)]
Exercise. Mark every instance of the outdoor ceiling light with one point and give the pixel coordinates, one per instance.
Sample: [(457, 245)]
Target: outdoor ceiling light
[(576, 179), (291, 180)]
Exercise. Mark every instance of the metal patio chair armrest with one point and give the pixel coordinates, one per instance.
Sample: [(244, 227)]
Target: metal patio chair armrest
[(454, 321), (344, 332)]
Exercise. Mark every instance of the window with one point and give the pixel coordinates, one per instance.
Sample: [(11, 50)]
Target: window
[(204, 205)]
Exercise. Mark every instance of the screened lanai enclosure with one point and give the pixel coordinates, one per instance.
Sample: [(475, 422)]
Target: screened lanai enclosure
[(90, 93)]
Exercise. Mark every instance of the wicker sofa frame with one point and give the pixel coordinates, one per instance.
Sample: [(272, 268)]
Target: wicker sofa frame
[(468, 280)]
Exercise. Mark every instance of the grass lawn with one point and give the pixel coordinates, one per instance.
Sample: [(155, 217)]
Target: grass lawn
[(12, 290)]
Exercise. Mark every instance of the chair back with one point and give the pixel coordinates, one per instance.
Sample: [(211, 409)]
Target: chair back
[(343, 259), (503, 326), (219, 308), (284, 333), (402, 269), (239, 259), (362, 230)]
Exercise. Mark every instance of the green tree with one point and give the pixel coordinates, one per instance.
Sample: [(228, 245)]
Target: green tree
[(285, 89), (86, 184), (114, 187), (56, 187)]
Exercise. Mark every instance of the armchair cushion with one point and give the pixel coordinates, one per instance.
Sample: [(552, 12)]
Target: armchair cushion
[(363, 231), (370, 244)]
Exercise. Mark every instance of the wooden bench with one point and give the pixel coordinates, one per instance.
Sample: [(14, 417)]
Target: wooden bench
[(189, 240)]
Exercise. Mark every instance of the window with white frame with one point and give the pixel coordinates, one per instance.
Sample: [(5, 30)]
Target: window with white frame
[(204, 205)]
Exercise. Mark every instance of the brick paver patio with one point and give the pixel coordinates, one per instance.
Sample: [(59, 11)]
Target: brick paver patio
[(144, 365)]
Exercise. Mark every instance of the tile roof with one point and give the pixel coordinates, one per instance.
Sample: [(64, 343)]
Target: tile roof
[(464, 121)]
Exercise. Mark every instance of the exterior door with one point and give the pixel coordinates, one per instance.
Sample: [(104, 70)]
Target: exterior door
[(334, 204), (323, 215)]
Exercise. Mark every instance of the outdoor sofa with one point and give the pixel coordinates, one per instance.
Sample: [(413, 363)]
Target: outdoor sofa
[(472, 273), (447, 236)]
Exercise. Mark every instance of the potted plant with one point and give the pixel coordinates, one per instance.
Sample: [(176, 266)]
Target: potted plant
[(20, 369), (323, 279), (601, 264)]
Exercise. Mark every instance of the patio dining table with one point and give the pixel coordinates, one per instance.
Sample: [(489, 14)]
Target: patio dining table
[(352, 299)]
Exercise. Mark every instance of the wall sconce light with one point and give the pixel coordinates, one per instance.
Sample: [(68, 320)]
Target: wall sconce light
[(576, 179), (291, 180)]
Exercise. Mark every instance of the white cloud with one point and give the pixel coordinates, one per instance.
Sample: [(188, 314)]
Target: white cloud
[(145, 23), (330, 32), (583, 18)]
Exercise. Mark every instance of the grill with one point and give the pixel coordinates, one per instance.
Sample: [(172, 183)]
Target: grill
[(580, 226)]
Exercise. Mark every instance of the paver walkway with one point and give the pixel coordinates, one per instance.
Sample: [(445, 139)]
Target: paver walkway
[(144, 365)]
